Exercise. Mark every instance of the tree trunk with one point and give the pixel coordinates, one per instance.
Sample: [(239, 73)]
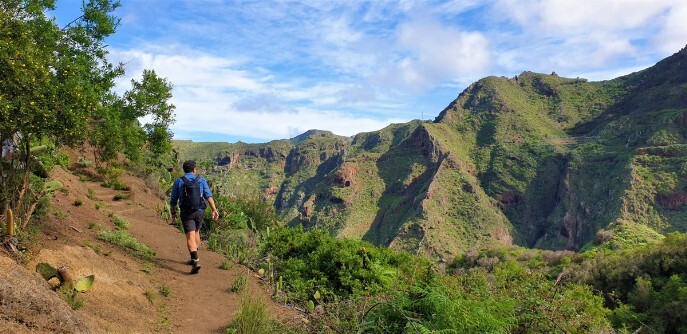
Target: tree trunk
[(3, 197), (27, 171), (29, 213)]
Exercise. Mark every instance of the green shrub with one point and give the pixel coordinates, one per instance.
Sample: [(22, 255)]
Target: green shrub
[(62, 159), (83, 162), (117, 185), (120, 223), (78, 202), (314, 262), (236, 245), (645, 285), (242, 213)]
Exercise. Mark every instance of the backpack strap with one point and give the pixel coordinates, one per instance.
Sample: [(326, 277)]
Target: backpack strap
[(192, 181)]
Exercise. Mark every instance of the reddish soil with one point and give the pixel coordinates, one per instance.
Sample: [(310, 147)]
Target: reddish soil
[(126, 297)]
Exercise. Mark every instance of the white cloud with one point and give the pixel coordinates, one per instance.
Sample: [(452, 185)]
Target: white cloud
[(562, 17), (673, 35), (592, 36), (431, 54), (212, 117), (221, 95), (186, 68)]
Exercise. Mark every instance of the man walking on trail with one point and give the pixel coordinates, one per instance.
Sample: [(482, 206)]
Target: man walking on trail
[(191, 191)]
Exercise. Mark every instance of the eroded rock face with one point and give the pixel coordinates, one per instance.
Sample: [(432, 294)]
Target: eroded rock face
[(673, 201), (422, 140), (345, 176), (682, 120), (27, 305), (228, 159), (231, 159)]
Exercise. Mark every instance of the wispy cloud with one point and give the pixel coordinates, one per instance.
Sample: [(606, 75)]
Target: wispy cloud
[(267, 69), (578, 36)]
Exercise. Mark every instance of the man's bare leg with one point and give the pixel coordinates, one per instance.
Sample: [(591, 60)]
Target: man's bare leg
[(193, 241)]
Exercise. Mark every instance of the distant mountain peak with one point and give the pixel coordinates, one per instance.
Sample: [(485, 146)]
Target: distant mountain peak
[(312, 134)]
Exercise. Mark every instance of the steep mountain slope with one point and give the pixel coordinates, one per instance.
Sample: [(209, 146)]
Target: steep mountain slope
[(536, 160)]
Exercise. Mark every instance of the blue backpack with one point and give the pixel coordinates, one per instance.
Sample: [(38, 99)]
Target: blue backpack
[(191, 198)]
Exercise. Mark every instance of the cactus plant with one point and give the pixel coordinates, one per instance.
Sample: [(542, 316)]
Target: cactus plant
[(9, 226), (39, 149), (280, 284), (84, 284), (47, 271)]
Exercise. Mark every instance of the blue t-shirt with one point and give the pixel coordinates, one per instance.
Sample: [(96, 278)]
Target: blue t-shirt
[(178, 188)]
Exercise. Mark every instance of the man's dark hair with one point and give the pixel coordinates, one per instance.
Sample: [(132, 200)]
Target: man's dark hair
[(189, 166)]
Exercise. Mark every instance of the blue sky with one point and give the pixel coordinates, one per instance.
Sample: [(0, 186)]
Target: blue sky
[(262, 70)]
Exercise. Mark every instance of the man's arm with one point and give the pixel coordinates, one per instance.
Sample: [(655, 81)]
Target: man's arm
[(215, 213), (173, 201), (205, 188)]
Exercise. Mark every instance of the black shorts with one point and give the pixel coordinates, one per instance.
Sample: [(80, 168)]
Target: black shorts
[(192, 221)]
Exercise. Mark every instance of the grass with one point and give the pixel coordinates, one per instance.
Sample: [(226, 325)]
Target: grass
[(148, 267), (251, 318), (125, 241), (165, 291), (120, 196), (78, 202), (150, 295), (225, 265), (94, 225), (165, 321), (120, 223), (60, 214), (97, 248), (98, 205), (239, 284), (71, 297), (91, 194)]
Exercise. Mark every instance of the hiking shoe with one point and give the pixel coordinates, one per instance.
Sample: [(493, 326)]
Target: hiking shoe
[(196, 267)]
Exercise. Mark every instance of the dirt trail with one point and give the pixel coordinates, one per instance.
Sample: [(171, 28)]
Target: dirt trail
[(198, 303)]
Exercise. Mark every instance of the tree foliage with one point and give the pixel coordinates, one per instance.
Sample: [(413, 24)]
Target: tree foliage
[(57, 87)]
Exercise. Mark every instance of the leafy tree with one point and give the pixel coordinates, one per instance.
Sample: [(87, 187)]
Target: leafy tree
[(150, 98), (57, 87), (116, 127), (52, 80)]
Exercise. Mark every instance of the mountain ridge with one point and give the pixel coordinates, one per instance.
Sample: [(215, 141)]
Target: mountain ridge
[(537, 160)]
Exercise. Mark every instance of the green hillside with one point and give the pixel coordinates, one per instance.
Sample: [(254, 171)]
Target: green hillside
[(535, 160)]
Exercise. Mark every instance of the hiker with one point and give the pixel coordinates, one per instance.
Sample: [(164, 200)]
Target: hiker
[(191, 191)]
